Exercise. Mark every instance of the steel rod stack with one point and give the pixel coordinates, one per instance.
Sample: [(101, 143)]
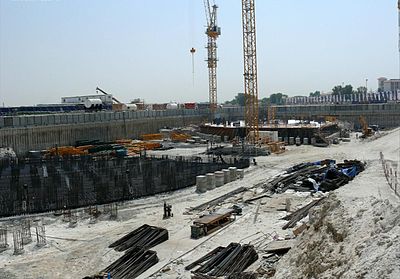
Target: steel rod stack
[(143, 237), (133, 263), (228, 261)]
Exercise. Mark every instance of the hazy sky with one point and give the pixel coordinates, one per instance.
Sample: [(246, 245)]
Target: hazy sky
[(140, 49)]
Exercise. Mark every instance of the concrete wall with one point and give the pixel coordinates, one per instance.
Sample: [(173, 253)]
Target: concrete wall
[(41, 137), (387, 115), (35, 132)]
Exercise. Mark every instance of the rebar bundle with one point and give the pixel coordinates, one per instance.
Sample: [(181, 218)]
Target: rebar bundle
[(143, 237), (229, 261)]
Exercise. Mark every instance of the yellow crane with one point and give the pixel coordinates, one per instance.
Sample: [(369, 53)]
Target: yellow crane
[(212, 31), (250, 70)]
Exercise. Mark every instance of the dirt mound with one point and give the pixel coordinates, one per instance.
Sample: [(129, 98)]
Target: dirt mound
[(360, 243)]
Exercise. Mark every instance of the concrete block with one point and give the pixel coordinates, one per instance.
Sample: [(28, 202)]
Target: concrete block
[(210, 181), (30, 121), (232, 173), (240, 173), (37, 119), (219, 178), (45, 119), (201, 184), (22, 121), (51, 119), (227, 176), (57, 119), (85, 117)]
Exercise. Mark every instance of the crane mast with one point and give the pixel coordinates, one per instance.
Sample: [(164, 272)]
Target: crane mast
[(250, 70), (212, 32)]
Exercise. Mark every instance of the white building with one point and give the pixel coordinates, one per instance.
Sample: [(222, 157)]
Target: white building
[(385, 84), (105, 99)]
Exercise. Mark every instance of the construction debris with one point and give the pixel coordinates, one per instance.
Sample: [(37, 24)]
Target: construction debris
[(144, 237), (299, 214), (322, 176), (228, 261)]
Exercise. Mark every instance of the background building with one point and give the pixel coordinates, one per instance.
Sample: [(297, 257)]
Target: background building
[(385, 84)]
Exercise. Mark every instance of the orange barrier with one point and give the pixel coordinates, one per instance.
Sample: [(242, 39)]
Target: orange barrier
[(175, 136), (151, 137)]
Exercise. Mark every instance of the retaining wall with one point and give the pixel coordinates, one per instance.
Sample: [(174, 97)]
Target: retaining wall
[(58, 183), (33, 132)]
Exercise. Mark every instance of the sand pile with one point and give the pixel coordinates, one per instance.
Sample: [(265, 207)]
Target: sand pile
[(356, 240)]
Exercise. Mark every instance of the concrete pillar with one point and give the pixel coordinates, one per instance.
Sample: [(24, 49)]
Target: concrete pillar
[(210, 181), (227, 176), (232, 173), (219, 178), (201, 184)]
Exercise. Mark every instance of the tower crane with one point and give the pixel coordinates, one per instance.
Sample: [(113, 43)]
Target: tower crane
[(212, 32), (250, 70)]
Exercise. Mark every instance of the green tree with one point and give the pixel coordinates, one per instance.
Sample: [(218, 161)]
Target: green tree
[(264, 102), (361, 90), (315, 94), (340, 90), (337, 90), (277, 98), (348, 90), (238, 100)]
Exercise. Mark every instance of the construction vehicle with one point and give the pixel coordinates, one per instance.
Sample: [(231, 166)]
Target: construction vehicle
[(105, 93), (367, 131)]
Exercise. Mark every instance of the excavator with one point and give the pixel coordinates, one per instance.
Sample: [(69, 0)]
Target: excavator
[(367, 131)]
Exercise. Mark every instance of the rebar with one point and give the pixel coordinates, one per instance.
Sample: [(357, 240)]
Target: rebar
[(26, 231), (18, 243), (40, 234), (3, 239)]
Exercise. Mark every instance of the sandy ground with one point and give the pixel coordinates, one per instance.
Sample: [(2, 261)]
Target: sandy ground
[(80, 251)]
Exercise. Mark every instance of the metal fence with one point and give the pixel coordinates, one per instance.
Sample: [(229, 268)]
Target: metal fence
[(391, 173)]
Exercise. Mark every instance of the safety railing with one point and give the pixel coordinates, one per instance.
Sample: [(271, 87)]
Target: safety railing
[(391, 173)]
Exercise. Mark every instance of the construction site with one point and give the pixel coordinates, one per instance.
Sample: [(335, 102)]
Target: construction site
[(96, 188)]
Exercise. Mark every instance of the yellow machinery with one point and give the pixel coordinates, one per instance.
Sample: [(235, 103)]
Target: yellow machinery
[(250, 69), (367, 132), (330, 118), (212, 32)]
